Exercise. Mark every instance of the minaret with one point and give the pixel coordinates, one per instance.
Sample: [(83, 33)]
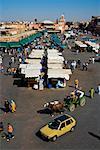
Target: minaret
[(62, 23), (62, 19)]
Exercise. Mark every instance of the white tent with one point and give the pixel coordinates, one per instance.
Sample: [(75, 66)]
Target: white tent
[(52, 50), (29, 73), (59, 73), (54, 61), (94, 45), (56, 66), (36, 54), (56, 58), (54, 54), (80, 44), (33, 61), (65, 71), (31, 66)]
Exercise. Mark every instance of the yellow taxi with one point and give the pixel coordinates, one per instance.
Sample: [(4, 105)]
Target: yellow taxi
[(58, 127)]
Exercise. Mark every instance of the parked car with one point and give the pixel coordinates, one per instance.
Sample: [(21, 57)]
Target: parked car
[(58, 127)]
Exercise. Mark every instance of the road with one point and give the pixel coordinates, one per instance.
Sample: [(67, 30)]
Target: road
[(27, 121)]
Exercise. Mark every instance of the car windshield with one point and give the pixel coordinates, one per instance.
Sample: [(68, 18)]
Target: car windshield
[(54, 125)]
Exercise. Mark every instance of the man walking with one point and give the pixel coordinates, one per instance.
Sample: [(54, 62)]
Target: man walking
[(93, 59), (98, 89), (6, 105), (92, 91), (76, 82)]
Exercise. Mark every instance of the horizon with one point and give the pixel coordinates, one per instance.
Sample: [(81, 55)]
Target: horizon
[(28, 10)]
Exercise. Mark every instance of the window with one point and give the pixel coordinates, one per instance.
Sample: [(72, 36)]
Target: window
[(71, 121), (54, 125), (62, 125), (68, 122)]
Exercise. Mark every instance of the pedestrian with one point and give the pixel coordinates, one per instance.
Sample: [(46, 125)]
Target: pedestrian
[(77, 51), (10, 130), (12, 59), (98, 89), (74, 64), (1, 126), (90, 59), (92, 91), (93, 59), (15, 59), (10, 62), (79, 62), (20, 59), (6, 105), (66, 63), (1, 68), (71, 66), (86, 66), (76, 82), (13, 106), (83, 66)]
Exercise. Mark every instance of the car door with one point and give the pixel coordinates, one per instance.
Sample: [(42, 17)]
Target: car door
[(62, 129), (69, 124)]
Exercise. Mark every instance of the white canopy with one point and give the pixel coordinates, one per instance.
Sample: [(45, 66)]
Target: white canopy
[(54, 61), (54, 54), (31, 66), (51, 66), (80, 44), (29, 73), (94, 45), (51, 50), (59, 73), (65, 71), (36, 54), (55, 57), (33, 61)]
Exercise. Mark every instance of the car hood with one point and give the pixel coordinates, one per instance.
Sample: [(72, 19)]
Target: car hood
[(46, 131)]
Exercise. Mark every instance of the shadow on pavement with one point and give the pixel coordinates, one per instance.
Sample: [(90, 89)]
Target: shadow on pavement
[(3, 109), (71, 86), (45, 111), (87, 96), (38, 134), (19, 83), (94, 135)]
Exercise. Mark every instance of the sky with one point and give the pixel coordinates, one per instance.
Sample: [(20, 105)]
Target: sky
[(28, 10)]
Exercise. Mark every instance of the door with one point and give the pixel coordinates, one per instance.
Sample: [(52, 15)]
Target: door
[(69, 125), (62, 129)]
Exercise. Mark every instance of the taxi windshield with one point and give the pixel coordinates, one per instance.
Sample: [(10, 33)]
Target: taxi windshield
[(54, 125)]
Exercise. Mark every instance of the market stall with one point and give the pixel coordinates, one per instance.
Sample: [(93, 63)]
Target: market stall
[(80, 46), (58, 78)]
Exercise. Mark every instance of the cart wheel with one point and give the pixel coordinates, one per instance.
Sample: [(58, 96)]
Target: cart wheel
[(54, 138), (72, 107), (72, 129), (82, 101)]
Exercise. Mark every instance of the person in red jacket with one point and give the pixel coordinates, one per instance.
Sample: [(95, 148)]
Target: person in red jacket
[(10, 130)]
